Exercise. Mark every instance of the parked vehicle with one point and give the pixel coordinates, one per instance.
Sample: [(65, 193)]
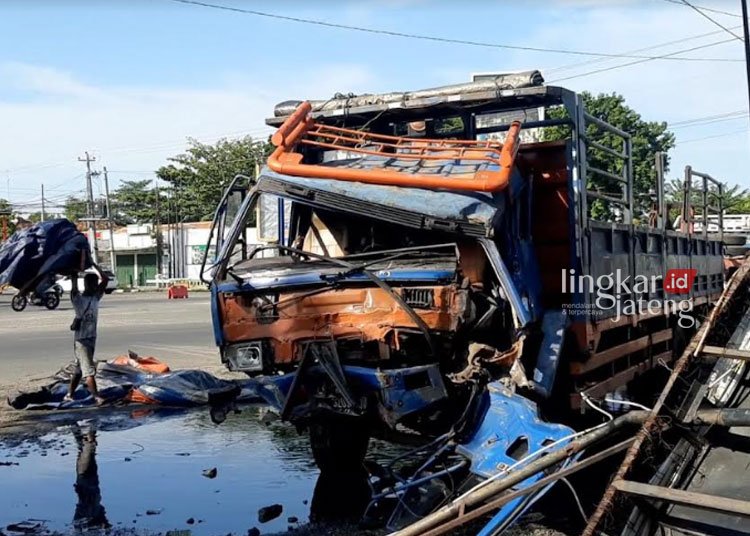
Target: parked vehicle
[(421, 277), (66, 284)]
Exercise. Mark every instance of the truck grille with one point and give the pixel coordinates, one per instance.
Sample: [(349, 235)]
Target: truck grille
[(421, 298)]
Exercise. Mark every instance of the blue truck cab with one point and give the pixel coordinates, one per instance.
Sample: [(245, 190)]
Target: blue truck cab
[(430, 261)]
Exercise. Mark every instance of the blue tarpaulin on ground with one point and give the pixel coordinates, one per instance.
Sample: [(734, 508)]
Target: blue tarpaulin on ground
[(52, 246)]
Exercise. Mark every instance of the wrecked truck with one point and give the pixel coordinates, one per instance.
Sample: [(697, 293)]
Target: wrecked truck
[(469, 265)]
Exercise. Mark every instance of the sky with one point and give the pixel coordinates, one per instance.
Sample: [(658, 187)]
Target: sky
[(129, 82)]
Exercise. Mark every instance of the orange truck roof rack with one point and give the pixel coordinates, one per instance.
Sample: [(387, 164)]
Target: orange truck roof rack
[(493, 161)]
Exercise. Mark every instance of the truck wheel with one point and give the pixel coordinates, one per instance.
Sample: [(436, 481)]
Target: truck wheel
[(18, 303), (734, 251), (731, 239), (52, 301)]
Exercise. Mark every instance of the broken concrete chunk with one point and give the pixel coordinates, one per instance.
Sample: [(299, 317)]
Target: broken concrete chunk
[(210, 473), (267, 513), (255, 531)]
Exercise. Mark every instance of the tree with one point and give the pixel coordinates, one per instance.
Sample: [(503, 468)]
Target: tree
[(35, 217), (74, 208), (197, 178), (134, 202), (647, 138), (733, 199), (6, 211)]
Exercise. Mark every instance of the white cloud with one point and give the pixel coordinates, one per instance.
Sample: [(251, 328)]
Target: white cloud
[(51, 116), (132, 128)]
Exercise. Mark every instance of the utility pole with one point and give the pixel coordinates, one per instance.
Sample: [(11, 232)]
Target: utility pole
[(157, 226), (42, 202), (747, 45), (90, 205), (112, 258)]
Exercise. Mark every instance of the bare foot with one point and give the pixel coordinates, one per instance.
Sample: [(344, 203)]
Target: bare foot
[(68, 398), (99, 400)]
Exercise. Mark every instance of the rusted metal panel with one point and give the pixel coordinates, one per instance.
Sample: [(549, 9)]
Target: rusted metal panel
[(367, 314), (607, 356)]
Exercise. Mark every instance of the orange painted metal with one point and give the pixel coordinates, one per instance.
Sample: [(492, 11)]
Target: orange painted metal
[(299, 128), (366, 314)]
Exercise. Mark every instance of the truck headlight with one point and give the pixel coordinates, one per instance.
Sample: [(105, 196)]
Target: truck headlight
[(245, 357)]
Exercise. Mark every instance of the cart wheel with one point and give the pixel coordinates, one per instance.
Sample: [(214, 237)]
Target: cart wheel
[(52, 301), (18, 303)]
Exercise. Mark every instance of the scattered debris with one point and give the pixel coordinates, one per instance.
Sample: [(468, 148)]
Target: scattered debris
[(153, 512), (292, 519), (210, 473), (7, 464), (190, 521), (267, 513), (182, 454), (128, 459)]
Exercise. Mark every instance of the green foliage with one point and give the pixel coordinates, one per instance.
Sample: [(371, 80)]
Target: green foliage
[(733, 199), (74, 208), (198, 177), (135, 202), (6, 210), (647, 137)]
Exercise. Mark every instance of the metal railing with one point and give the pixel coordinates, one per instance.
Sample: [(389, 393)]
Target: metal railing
[(622, 159), (705, 206)]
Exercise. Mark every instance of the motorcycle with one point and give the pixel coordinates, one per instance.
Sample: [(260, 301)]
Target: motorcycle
[(50, 299)]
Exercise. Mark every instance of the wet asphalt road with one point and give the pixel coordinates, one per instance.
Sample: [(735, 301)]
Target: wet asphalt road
[(36, 342)]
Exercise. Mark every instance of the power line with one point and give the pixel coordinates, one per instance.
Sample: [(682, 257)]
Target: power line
[(636, 62), (651, 47), (724, 134), (726, 116), (714, 21), (709, 9), (393, 33), (715, 116), (710, 122)]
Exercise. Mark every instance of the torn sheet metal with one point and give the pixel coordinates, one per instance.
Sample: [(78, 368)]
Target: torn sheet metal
[(368, 314), (510, 431)]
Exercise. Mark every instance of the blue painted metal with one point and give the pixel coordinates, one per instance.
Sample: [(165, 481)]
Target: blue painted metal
[(401, 391), (554, 325), (477, 207), (510, 422), (504, 276), (215, 315), (316, 277), (398, 396)]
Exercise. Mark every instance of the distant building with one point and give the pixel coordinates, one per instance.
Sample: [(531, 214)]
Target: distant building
[(136, 252)]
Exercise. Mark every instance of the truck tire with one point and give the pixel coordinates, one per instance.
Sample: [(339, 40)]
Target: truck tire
[(734, 251), (730, 239)]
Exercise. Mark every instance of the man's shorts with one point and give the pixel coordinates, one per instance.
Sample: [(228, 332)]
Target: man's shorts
[(85, 359)]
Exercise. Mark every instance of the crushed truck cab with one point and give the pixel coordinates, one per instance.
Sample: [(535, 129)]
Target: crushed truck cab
[(419, 270)]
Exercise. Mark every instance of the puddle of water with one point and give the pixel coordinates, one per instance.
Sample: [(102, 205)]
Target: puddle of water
[(82, 472)]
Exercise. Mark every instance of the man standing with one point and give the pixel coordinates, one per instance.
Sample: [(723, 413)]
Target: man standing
[(86, 305)]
